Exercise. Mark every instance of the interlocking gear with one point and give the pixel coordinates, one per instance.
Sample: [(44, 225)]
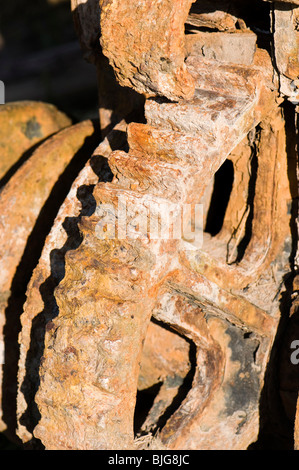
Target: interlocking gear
[(108, 319)]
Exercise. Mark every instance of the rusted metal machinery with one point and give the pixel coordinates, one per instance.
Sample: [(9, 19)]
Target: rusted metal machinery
[(150, 342)]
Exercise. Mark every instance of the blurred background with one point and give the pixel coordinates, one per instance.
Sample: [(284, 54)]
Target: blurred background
[(40, 57)]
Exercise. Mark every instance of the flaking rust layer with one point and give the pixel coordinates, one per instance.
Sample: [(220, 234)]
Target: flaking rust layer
[(149, 66), (110, 317), (40, 307), (112, 286), (20, 211)]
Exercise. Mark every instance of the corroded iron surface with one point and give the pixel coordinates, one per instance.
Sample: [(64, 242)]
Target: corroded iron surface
[(128, 282), (24, 125), (22, 220), (129, 340)]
